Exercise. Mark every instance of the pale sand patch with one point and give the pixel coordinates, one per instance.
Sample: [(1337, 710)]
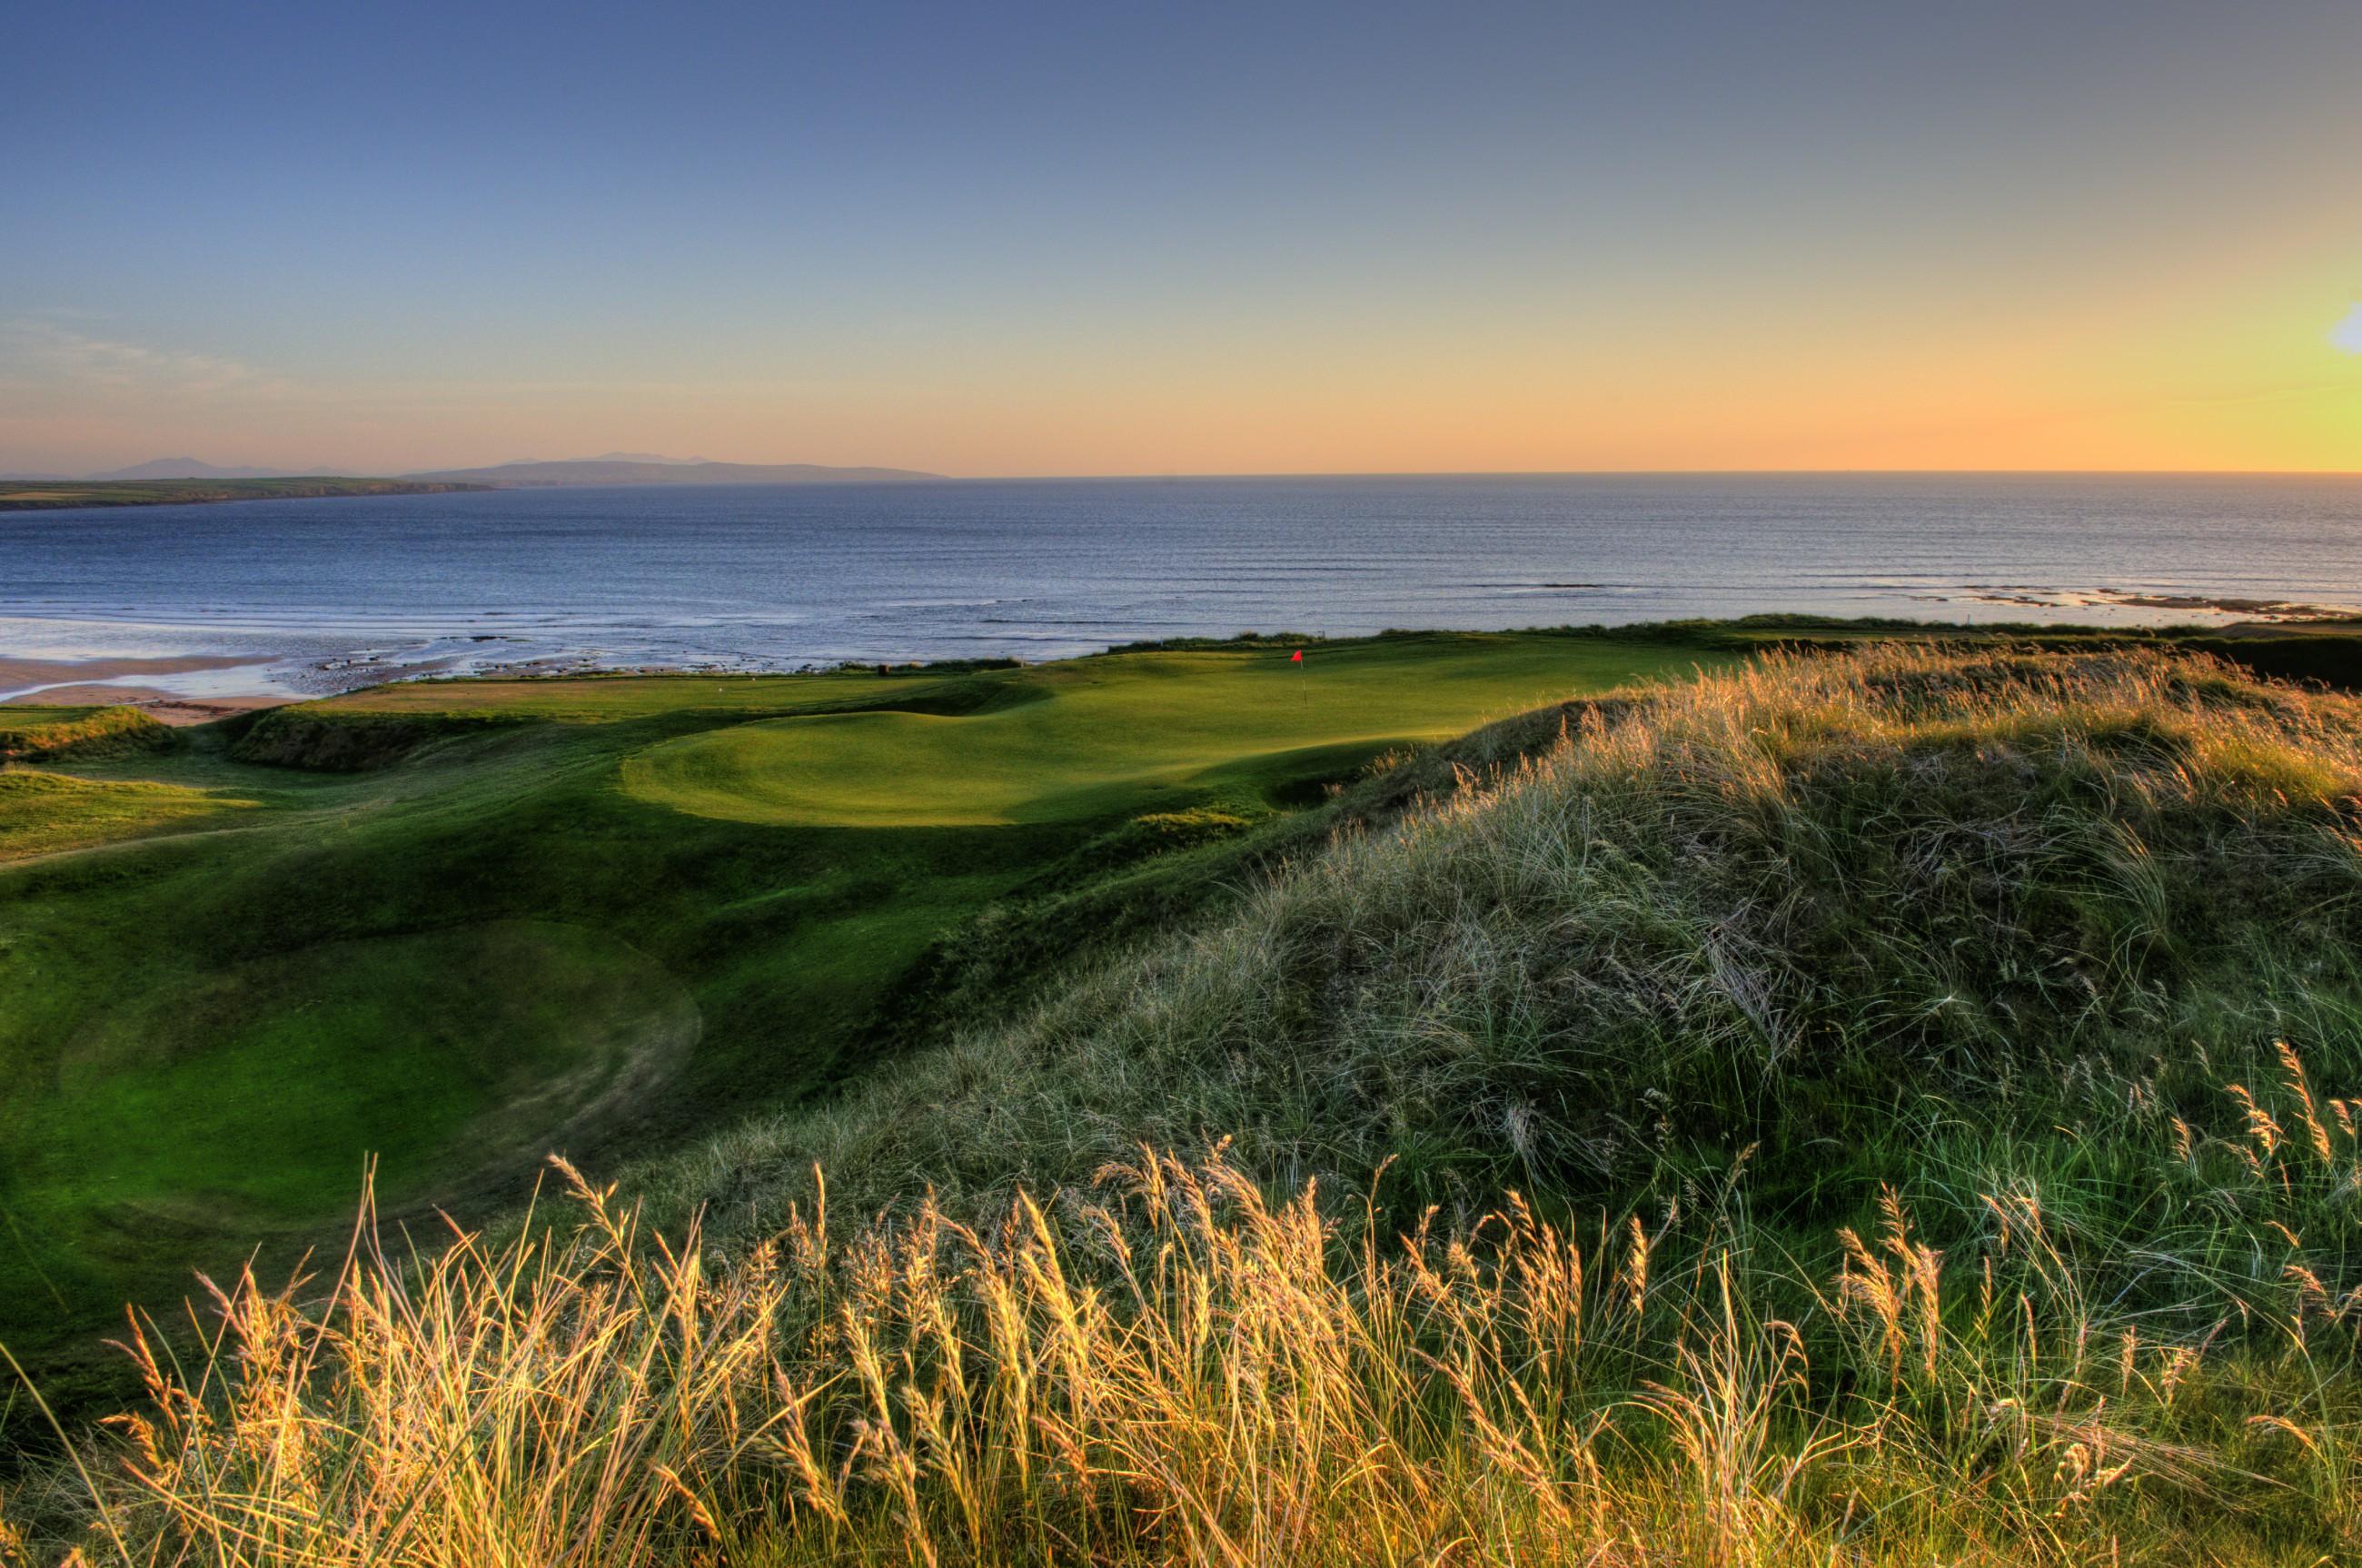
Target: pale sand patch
[(164, 707), (179, 711), (73, 683), (17, 672)]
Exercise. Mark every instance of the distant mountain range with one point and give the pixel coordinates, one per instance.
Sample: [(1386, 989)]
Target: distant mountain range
[(628, 469)]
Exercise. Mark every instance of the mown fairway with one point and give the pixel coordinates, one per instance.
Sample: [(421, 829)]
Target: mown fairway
[(1102, 737), (597, 915)]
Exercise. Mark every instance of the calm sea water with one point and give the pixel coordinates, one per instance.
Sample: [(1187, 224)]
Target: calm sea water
[(333, 592)]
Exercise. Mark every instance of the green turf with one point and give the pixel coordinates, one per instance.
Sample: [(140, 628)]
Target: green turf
[(41, 813), (605, 698), (1123, 733), (434, 1052), (645, 908)]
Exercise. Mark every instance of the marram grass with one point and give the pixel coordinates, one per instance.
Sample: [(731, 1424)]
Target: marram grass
[(1932, 1083), (1909, 917), (1173, 1369)]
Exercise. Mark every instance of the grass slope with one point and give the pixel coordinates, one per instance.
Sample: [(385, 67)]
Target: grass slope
[(1807, 905), (455, 930), (43, 814), (31, 733), (1933, 1081)]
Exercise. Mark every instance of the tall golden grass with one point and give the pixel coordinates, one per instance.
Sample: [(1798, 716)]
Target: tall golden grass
[(1175, 1369)]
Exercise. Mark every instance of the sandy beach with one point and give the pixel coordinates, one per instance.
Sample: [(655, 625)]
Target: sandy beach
[(77, 682)]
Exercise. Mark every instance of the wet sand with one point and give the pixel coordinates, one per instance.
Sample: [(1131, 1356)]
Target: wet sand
[(74, 683)]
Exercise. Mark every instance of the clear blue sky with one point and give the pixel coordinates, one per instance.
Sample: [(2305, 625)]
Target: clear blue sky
[(1176, 238)]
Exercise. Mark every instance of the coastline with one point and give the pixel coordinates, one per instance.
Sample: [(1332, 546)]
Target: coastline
[(62, 495), (2298, 642), (138, 683)]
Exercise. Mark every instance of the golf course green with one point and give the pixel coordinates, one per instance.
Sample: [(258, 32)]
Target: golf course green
[(443, 929), (1126, 733)]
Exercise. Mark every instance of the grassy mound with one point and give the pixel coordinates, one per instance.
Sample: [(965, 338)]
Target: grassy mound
[(485, 1041), (202, 1114), (1810, 908), (60, 734)]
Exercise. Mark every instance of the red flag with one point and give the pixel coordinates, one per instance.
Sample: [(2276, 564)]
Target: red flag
[(1296, 657)]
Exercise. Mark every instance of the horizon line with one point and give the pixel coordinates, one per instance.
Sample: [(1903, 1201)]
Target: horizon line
[(922, 476)]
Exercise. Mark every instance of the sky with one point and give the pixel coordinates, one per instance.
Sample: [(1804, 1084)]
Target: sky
[(1127, 238)]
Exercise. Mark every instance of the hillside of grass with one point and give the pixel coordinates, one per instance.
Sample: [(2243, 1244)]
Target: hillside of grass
[(1896, 1104), (450, 927), (60, 734), (46, 813), (1792, 901)]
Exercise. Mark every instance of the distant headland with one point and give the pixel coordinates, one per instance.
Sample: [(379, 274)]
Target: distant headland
[(627, 468), (45, 495), (176, 481)]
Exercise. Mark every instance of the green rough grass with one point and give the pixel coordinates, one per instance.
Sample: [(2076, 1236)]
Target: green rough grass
[(42, 813), (340, 976), (597, 699), (429, 1054), (1902, 1108), (1957, 922), (338, 740)]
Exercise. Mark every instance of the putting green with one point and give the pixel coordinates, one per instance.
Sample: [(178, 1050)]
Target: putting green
[(438, 1054), (1101, 737)]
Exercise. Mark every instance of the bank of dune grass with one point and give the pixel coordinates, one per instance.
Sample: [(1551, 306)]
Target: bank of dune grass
[(1898, 1108), (1862, 913), (77, 734)]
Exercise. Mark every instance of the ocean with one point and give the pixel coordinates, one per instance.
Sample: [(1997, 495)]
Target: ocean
[(319, 595)]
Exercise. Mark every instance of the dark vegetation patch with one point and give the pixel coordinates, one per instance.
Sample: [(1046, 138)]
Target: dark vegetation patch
[(332, 741), (943, 666), (2335, 661)]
